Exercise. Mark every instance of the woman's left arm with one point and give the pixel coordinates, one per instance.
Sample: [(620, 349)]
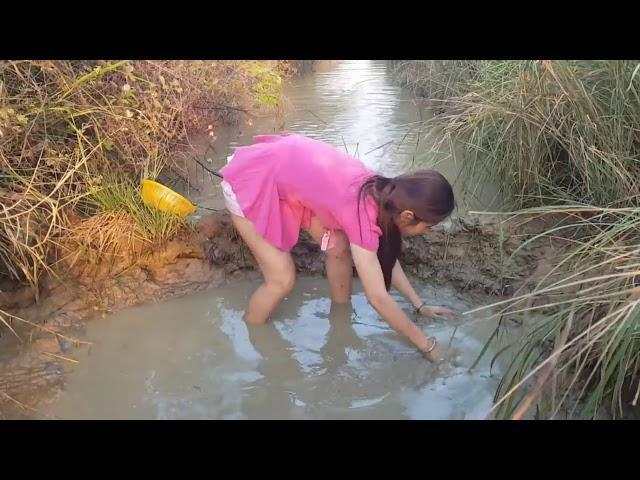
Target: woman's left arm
[(400, 282)]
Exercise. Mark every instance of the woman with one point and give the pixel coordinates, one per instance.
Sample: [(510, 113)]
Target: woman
[(283, 184)]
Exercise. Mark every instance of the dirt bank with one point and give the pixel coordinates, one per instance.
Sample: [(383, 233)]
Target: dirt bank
[(467, 257)]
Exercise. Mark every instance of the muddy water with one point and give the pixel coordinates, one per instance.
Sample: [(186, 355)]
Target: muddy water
[(357, 106), (194, 358)]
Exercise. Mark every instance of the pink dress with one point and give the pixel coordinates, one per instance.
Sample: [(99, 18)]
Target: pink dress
[(282, 181)]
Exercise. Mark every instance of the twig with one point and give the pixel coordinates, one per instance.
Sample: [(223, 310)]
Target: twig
[(207, 168), (371, 325), (318, 117), (61, 357), (48, 330), (345, 144), (452, 335), (378, 148), (218, 106), (8, 325), (403, 138), (415, 150), (208, 208), (635, 399), (20, 404)]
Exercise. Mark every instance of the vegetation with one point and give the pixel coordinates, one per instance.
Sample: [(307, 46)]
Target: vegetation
[(76, 137), (562, 138)]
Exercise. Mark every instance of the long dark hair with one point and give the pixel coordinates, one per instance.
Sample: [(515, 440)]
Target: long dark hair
[(426, 193)]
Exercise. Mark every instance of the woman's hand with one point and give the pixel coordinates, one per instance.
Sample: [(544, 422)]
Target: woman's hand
[(401, 283), (370, 273), (439, 355), (436, 312), (433, 352)]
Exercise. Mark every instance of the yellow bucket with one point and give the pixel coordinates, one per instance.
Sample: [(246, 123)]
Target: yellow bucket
[(156, 195)]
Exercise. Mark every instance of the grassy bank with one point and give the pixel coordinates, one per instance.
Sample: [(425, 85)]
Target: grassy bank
[(76, 137), (561, 137)]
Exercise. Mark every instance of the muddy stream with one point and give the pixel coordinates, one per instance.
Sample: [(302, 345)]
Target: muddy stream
[(194, 358)]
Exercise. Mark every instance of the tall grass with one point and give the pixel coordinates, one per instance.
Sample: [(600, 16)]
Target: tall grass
[(435, 79), (591, 298), (551, 131), (560, 137)]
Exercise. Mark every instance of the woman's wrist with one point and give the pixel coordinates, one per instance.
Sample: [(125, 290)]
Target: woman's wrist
[(420, 307), (428, 346)]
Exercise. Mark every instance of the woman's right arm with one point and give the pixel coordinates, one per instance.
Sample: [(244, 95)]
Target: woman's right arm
[(370, 273)]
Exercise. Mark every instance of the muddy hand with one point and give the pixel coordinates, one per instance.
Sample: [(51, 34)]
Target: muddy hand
[(437, 312)]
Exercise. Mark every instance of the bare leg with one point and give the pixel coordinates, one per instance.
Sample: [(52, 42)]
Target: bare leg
[(340, 337), (339, 263), (277, 268)]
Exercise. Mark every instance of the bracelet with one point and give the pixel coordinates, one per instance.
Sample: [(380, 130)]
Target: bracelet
[(433, 345), (418, 309)]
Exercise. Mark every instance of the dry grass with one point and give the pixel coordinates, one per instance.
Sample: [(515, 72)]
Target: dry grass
[(66, 126), (552, 131)]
